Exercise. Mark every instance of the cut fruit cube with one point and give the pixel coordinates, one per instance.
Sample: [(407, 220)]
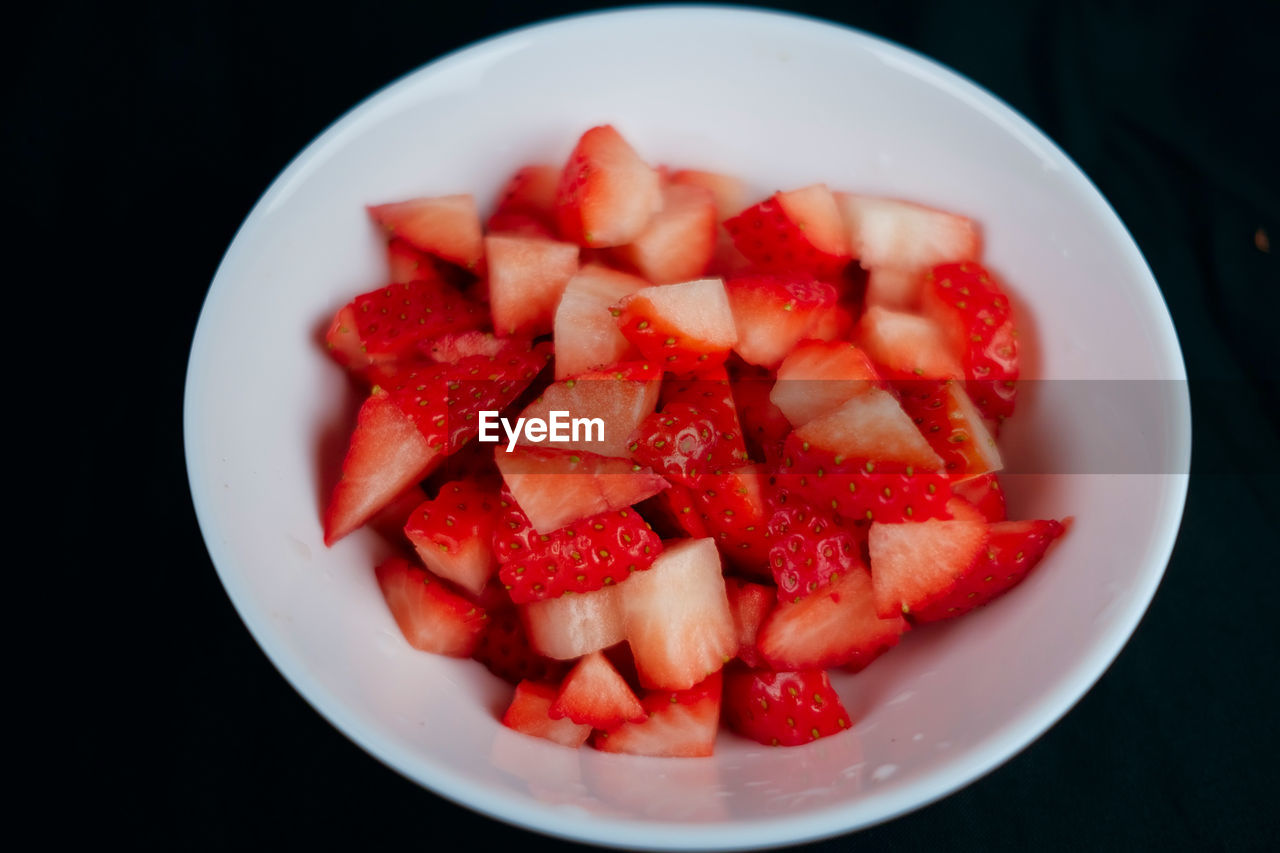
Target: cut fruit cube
[(917, 564), (986, 495), (728, 193), (596, 695), (527, 276), (953, 426), (453, 533), (680, 240), (894, 289), (772, 313), (680, 327), (907, 346), (679, 725), (575, 625), (432, 618), (871, 426), (750, 604), (529, 713), (817, 377), (527, 204), (783, 708), (447, 227), (619, 405), (405, 263), (885, 232), (607, 194), (585, 332), (793, 232)]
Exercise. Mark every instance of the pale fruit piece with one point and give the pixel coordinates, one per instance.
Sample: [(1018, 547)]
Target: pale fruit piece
[(555, 488), (584, 330), (907, 345), (818, 377), (917, 563), (679, 241), (527, 275), (577, 624), (885, 232), (619, 405), (871, 426)]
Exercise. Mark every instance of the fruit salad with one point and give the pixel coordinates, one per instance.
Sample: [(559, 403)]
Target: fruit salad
[(663, 458)]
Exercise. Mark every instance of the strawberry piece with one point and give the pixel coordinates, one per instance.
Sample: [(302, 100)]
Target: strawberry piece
[(673, 513), (1013, 549), (817, 377), (621, 397), (838, 626), (954, 428), (871, 426), (735, 509), (682, 327), (527, 276), (728, 193), (907, 346), (696, 432), (389, 521), (764, 426), (575, 625), (965, 300), (918, 564), (890, 233), (505, 651), (591, 553), (453, 533), (596, 695), (985, 494), (680, 239), (772, 313), (682, 724), (447, 227), (585, 333), (451, 348), (555, 488), (530, 713), (677, 616), (894, 289), (810, 549), (432, 618), (797, 231), (405, 263), (527, 203), (782, 708), (607, 194), (750, 604)]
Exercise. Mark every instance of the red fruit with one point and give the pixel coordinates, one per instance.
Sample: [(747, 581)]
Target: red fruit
[(405, 263), (907, 346), (918, 564), (838, 626), (817, 377), (782, 708), (710, 394), (527, 203), (890, 233), (679, 241), (620, 397), (596, 695), (447, 227), (793, 232), (764, 426), (530, 713), (591, 553), (505, 650), (735, 509), (1013, 549), (893, 289), (682, 724), (389, 522), (677, 616), (607, 194), (505, 224), (696, 432), (750, 604), (985, 494), (453, 347), (870, 426), (674, 513), (585, 333), (728, 192), (772, 313), (575, 625), (954, 428), (527, 276), (811, 548), (431, 617), (453, 533), (681, 327)]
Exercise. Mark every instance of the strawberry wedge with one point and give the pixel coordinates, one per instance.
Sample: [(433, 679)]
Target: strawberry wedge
[(607, 194), (447, 227)]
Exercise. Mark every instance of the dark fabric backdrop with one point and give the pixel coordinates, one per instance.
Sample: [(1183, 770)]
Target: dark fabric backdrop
[(152, 130)]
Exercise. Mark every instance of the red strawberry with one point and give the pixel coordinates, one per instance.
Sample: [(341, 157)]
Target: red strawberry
[(750, 604), (585, 333), (811, 548), (871, 426), (673, 513), (607, 194), (838, 626), (1013, 548), (527, 203), (886, 232), (681, 724), (772, 313), (595, 694), (735, 508), (782, 708), (389, 522), (527, 276), (764, 426), (948, 419), (504, 649), (575, 625), (530, 713), (405, 263), (977, 319), (696, 432), (431, 617), (447, 227), (680, 239), (985, 494), (682, 327), (453, 533), (621, 397), (907, 346), (728, 192), (797, 231), (589, 554), (817, 377), (894, 289), (917, 564)]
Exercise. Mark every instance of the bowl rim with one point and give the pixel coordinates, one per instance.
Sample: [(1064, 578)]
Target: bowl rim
[(1028, 725)]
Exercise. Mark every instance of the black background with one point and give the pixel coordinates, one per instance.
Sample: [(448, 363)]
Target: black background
[(144, 135)]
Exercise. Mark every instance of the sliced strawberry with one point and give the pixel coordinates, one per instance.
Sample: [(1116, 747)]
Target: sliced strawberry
[(453, 533), (389, 521), (510, 224), (1013, 549), (447, 227), (696, 432), (811, 549), (735, 508), (750, 604), (917, 564), (682, 724), (682, 327), (710, 393), (452, 347), (527, 203), (530, 713), (679, 241), (894, 289), (607, 194), (729, 193), (555, 488), (871, 426), (405, 263), (948, 419), (782, 708), (596, 695), (985, 494), (793, 232), (764, 426), (505, 650), (674, 513), (585, 333), (838, 626), (906, 346), (890, 233), (575, 625), (772, 313), (620, 397), (431, 617), (817, 377), (527, 276), (677, 616)]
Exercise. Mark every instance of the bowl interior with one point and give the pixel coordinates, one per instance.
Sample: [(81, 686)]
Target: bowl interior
[(782, 102)]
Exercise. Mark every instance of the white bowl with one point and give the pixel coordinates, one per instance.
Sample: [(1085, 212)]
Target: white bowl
[(782, 101)]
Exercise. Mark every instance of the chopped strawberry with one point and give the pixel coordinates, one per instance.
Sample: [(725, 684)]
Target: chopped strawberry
[(838, 626), (453, 533), (405, 263), (620, 397), (682, 724), (710, 393), (1013, 549), (750, 604), (571, 626), (917, 564), (728, 193), (772, 313), (452, 347), (680, 239), (793, 232), (674, 513), (607, 194), (431, 617), (782, 708), (527, 276), (585, 333), (811, 549), (817, 377), (907, 346), (677, 616), (764, 426), (682, 327), (948, 419), (696, 432), (735, 509), (527, 203), (596, 695), (985, 494), (447, 227), (871, 426), (530, 713), (890, 233), (894, 289), (505, 650), (389, 521)]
